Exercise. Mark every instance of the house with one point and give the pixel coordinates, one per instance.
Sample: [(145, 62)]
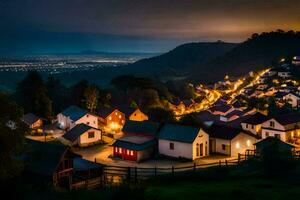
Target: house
[(133, 114), (74, 115), (283, 72), (139, 141), (183, 142), (272, 142), (253, 123), (293, 99), (48, 162), (181, 106), (296, 60), (221, 109), (230, 141), (112, 118), (32, 121), (235, 114), (286, 127), (82, 135)]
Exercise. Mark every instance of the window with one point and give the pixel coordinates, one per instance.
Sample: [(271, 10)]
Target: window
[(127, 152), (116, 113), (223, 147), (252, 126), (197, 150), (277, 136), (120, 116), (122, 121), (87, 115), (131, 153), (267, 134), (116, 149), (172, 146), (120, 150), (237, 145), (109, 118), (91, 134), (201, 149), (246, 125), (248, 143), (272, 124), (88, 123)]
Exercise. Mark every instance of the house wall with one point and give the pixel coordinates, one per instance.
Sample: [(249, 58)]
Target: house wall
[(125, 154), (138, 115), (84, 139), (88, 119), (185, 150), (37, 124), (218, 146), (115, 120), (241, 143), (145, 154), (293, 100), (255, 129), (273, 130)]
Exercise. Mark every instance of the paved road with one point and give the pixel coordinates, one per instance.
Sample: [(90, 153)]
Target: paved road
[(103, 155)]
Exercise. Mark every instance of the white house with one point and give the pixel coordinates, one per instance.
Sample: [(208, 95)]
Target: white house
[(293, 99), (253, 123), (285, 127), (230, 141), (183, 142), (74, 115), (82, 135)]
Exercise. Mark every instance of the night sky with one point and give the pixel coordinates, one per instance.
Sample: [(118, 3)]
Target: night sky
[(57, 26)]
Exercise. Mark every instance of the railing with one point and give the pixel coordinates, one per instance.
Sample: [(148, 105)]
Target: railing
[(115, 175)]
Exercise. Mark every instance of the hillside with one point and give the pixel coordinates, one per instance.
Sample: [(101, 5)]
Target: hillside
[(209, 62)]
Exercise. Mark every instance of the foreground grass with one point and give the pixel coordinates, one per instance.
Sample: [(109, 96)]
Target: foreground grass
[(226, 189)]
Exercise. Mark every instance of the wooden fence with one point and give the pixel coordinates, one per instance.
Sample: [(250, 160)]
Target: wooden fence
[(117, 175)]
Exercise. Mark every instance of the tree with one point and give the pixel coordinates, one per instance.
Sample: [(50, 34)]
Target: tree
[(12, 131), (33, 96), (58, 93), (77, 93), (161, 115), (91, 96)]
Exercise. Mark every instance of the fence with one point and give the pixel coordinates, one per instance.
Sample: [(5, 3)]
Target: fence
[(115, 175)]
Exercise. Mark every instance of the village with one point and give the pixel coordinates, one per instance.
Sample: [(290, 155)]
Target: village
[(123, 136)]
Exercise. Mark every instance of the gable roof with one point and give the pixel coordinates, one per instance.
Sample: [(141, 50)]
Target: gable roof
[(179, 133), (255, 119), (30, 118), (235, 112), (104, 112), (137, 143), (76, 131), (74, 112), (141, 127), (223, 132), (220, 108), (43, 158), (287, 118), (270, 141)]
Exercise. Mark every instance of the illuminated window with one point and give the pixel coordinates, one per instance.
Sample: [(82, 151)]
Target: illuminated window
[(109, 118), (116, 113), (248, 143), (131, 153), (122, 121), (91, 134), (237, 145), (120, 150), (127, 152), (116, 149), (120, 116)]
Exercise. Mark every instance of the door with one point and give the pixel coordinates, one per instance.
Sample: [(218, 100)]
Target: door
[(201, 149)]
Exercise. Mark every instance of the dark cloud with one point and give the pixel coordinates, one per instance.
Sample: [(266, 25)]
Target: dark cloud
[(144, 21)]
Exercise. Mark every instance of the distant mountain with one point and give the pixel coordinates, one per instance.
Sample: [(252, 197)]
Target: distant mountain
[(185, 57), (211, 61)]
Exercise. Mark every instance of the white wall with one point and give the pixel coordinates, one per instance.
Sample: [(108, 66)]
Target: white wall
[(250, 128), (65, 122), (241, 143), (88, 119), (218, 147), (185, 150), (84, 140)]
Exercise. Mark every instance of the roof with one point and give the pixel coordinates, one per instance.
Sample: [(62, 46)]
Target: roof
[(43, 158), (80, 164), (141, 127), (235, 112), (187, 102), (221, 108), (179, 133), (280, 94), (74, 112), (207, 116), (223, 132), (255, 119), (269, 141), (136, 143), (76, 131), (30, 118), (104, 112), (226, 132), (288, 118)]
